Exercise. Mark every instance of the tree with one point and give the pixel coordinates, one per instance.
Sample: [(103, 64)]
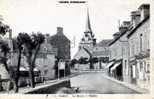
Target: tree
[(73, 62), (4, 28), (4, 46), (5, 50), (83, 60), (91, 62), (94, 60), (19, 42), (31, 48)]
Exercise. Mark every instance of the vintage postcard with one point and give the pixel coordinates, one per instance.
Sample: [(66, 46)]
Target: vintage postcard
[(76, 49)]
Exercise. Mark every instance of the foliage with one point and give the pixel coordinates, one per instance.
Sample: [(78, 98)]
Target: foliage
[(94, 60), (83, 60), (4, 28), (5, 50), (73, 62), (31, 47)]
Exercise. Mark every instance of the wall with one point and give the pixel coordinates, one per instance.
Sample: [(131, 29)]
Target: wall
[(50, 89), (81, 53), (46, 66), (142, 71), (115, 50), (134, 40), (120, 50)]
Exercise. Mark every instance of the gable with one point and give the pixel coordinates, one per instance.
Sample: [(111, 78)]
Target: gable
[(81, 53)]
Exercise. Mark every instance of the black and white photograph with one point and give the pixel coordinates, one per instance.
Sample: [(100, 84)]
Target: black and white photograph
[(75, 47)]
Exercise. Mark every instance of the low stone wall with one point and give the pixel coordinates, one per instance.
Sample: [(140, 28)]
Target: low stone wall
[(50, 89)]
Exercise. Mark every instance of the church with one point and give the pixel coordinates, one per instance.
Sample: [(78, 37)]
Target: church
[(89, 49)]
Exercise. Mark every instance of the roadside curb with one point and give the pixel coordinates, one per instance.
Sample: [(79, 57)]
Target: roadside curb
[(133, 87)]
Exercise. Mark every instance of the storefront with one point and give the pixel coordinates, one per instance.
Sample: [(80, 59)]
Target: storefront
[(116, 70), (108, 67)]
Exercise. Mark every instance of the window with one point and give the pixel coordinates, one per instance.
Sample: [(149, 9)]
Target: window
[(148, 68), (126, 69), (125, 64), (45, 71), (141, 42), (141, 66), (133, 49)]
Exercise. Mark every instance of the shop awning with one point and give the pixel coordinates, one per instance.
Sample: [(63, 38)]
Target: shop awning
[(109, 64), (23, 69), (35, 69), (115, 66)]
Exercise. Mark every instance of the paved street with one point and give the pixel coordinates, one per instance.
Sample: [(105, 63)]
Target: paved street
[(98, 84)]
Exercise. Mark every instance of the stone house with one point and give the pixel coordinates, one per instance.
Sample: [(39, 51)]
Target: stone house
[(119, 53), (45, 61), (62, 43), (131, 46), (139, 48)]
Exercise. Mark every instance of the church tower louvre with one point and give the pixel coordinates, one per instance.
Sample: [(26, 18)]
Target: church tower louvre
[(88, 40)]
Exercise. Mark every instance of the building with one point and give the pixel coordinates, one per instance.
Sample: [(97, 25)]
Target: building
[(118, 66), (45, 61), (139, 48), (62, 43), (130, 50), (86, 45), (4, 74), (102, 53), (90, 50), (88, 41)]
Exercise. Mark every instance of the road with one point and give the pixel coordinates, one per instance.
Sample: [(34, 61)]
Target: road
[(96, 83)]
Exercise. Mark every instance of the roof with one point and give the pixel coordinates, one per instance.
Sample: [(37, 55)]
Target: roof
[(113, 41), (47, 47), (131, 32), (144, 6), (59, 36), (105, 42), (101, 53), (88, 25), (80, 53), (140, 24), (87, 51)]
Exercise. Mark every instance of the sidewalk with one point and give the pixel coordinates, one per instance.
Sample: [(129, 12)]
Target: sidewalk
[(133, 87)]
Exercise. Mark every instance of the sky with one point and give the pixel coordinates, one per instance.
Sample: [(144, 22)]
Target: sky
[(46, 15)]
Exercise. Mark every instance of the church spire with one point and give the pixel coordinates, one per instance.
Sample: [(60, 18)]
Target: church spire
[(88, 25)]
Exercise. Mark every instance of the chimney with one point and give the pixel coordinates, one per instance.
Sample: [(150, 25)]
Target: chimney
[(126, 23), (59, 30), (94, 41), (124, 27), (135, 18), (144, 10), (116, 35)]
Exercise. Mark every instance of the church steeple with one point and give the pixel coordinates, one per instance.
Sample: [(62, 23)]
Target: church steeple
[(88, 25), (88, 40)]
